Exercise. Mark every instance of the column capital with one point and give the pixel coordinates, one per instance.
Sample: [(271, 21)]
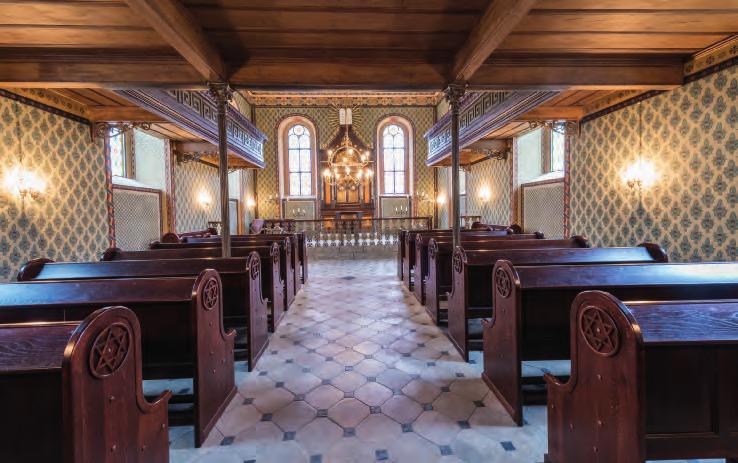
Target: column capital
[(221, 91), (453, 94)]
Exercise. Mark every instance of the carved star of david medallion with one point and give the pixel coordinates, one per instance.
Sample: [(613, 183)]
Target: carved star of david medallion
[(109, 350), (211, 294), (600, 331), (503, 283)]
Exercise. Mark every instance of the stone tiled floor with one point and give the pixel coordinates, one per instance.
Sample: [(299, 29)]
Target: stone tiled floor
[(357, 373)]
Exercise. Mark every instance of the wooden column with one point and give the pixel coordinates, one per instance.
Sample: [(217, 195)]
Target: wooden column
[(453, 93), (223, 94)]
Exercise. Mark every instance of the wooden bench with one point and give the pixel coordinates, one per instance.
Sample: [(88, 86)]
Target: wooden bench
[(470, 299), (299, 249), (71, 391), (244, 308), (649, 381), (285, 284), (402, 239), (532, 308), (182, 333), (283, 240), (408, 261), (472, 241), (172, 237)]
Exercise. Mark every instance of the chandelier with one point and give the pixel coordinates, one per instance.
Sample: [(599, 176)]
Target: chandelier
[(348, 166)]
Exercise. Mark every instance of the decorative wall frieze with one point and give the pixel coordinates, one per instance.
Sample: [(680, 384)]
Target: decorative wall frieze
[(722, 52), (342, 99), (480, 114), (38, 98), (196, 112)]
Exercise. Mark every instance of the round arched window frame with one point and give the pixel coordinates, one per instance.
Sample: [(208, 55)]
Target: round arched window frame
[(297, 160), (387, 157)]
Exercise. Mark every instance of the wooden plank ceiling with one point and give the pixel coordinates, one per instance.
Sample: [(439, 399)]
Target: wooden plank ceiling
[(381, 44)]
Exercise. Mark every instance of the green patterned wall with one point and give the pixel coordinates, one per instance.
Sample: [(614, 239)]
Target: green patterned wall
[(193, 180), (70, 223), (267, 119), (494, 176), (444, 174), (691, 136)]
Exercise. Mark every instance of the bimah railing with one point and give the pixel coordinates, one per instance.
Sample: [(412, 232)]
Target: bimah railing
[(347, 232)]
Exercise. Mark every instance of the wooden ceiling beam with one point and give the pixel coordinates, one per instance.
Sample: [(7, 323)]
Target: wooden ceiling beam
[(121, 113), (498, 21), (111, 74), (553, 113), (595, 75), (175, 25)]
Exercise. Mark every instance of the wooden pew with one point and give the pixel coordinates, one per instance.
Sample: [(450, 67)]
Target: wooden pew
[(470, 299), (285, 284), (180, 237), (182, 333), (65, 397), (402, 238), (283, 240), (420, 267), (532, 309), (244, 308), (408, 261), (299, 249), (477, 259), (649, 381)]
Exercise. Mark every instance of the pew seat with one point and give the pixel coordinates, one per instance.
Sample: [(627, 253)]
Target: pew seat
[(182, 334), (244, 308), (532, 306), (649, 381), (71, 392)]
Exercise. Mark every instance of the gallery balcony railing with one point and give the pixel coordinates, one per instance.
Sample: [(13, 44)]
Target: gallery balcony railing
[(348, 232)]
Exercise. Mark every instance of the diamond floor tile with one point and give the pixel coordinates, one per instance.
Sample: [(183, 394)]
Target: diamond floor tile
[(356, 372)]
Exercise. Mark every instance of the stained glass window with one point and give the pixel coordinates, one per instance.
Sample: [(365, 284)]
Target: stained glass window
[(394, 158), (299, 162), (117, 154)]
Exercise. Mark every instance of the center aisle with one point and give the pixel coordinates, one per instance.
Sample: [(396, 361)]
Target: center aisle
[(358, 373)]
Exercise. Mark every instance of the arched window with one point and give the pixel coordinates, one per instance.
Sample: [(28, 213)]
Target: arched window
[(297, 140), (394, 156), (299, 161)]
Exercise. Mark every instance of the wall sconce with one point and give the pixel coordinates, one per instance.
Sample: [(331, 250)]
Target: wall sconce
[(484, 194), (441, 199), (641, 174), (204, 199), (250, 203), (24, 184)]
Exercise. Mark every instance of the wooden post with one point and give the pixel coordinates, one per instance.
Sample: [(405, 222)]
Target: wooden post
[(223, 94), (453, 93)]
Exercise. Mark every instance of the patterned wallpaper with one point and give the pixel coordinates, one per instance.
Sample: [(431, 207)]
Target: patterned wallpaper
[(494, 176), (267, 119), (137, 218), (443, 173), (543, 209), (691, 136), (70, 222), (194, 181)]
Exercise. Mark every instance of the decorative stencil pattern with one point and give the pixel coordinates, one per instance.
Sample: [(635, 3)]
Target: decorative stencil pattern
[(70, 222), (690, 134), (543, 209), (444, 173), (193, 182), (137, 218), (366, 120), (493, 176)]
